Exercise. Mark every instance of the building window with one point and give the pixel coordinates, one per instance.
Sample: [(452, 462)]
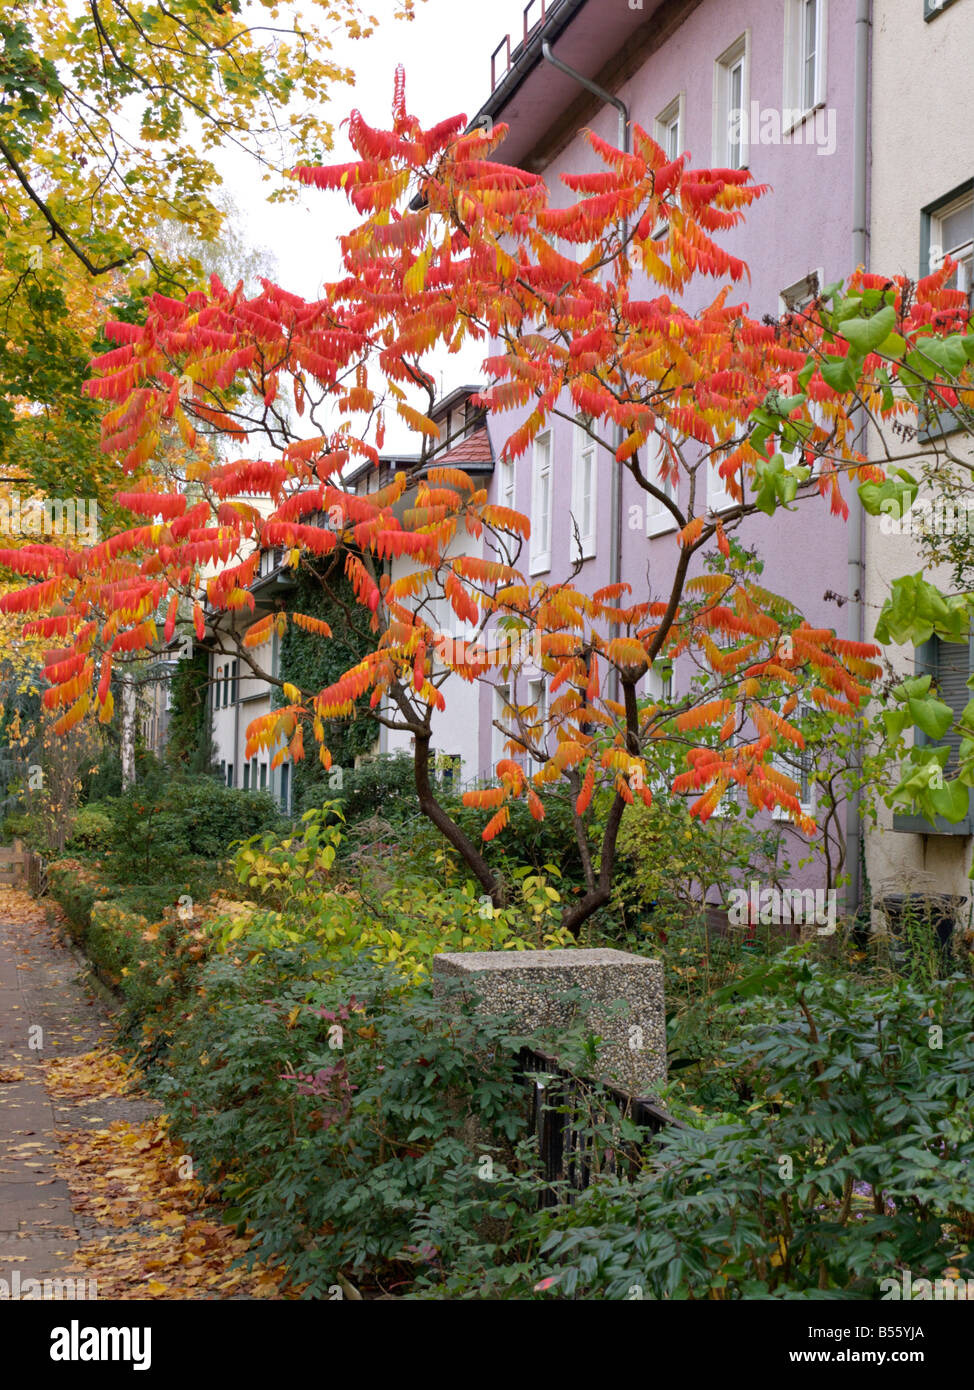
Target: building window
[(670, 124), (538, 697), (718, 497), (541, 505), (659, 518), (233, 682), (731, 86), (583, 495), (502, 715), (253, 774), (950, 232), (659, 682), (805, 49), (797, 764), (223, 769), (285, 786), (450, 765), (229, 774), (950, 664), (505, 483), (263, 777), (798, 299), (246, 777)]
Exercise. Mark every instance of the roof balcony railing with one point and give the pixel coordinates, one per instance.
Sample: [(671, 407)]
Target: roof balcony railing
[(540, 20), (528, 26), (505, 43)]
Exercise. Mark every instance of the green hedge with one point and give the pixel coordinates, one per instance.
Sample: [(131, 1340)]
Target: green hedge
[(76, 885)]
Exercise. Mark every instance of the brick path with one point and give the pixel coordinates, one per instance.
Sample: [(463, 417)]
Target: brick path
[(41, 984)]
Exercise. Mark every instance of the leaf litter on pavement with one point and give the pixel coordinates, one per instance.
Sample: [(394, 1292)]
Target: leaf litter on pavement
[(137, 1177)]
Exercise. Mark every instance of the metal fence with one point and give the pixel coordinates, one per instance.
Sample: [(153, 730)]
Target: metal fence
[(578, 1128)]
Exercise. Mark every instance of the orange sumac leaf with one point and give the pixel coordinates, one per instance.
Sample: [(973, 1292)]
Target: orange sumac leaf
[(496, 823)]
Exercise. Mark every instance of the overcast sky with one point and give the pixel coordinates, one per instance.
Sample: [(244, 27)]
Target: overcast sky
[(446, 52)]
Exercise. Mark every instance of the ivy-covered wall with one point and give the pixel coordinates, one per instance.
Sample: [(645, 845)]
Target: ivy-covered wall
[(190, 740), (312, 663)]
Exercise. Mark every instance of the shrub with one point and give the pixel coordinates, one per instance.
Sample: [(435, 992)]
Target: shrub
[(341, 1117), (93, 829), (75, 885), (163, 824), (110, 941), (383, 787), (856, 1156), (669, 863), (399, 916)]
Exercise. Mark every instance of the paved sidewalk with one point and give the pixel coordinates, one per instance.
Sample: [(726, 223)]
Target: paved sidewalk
[(41, 987)]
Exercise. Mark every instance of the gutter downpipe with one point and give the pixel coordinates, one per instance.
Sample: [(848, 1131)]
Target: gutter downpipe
[(856, 525), (615, 526)]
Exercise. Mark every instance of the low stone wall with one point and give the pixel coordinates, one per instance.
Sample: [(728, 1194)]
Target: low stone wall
[(632, 1050)]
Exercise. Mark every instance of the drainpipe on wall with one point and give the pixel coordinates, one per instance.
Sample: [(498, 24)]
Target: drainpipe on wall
[(237, 766), (615, 525), (856, 525)]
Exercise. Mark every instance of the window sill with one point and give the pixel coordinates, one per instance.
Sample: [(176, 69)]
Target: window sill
[(805, 116), (780, 814), (540, 565), (720, 503), (919, 825), (660, 524), (933, 8), (946, 424)]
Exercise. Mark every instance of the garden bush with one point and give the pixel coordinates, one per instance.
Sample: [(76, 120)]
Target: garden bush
[(362, 1131), (670, 865), (366, 1130), (93, 829), (163, 824), (855, 1158), (78, 884), (397, 913)]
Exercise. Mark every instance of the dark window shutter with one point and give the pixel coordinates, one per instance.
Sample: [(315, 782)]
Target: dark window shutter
[(950, 664), (953, 669)]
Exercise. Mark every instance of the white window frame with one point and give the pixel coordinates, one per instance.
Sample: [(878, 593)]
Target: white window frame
[(659, 519), (672, 116), (807, 806), (796, 106), (792, 299), (584, 459), (963, 252), (737, 54), (800, 294), (537, 695), (500, 699), (541, 523), (659, 690), (718, 498), (507, 483)]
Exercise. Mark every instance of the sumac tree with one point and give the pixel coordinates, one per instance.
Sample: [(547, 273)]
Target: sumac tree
[(456, 246)]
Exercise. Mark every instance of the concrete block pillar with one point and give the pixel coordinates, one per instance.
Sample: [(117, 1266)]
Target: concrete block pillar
[(524, 984)]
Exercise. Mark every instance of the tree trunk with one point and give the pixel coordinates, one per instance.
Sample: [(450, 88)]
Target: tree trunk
[(450, 831), (128, 734)]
